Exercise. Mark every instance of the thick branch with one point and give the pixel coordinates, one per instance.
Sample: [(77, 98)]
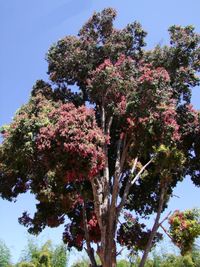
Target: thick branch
[(127, 187), (98, 198), (103, 119), (105, 182), (100, 185), (154, 229), (106, 187), (101, 191), (124, 151), (111, 225), (89, 249), (107, 130), (115, 182)]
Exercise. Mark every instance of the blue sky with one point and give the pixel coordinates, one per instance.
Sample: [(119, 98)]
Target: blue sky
[(28, 28)]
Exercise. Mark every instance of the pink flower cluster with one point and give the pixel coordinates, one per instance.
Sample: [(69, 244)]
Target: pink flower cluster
[(74, 134), (109, 84), (169, 119), (105, 64), (151, 75), (194, 114), (179, 220)]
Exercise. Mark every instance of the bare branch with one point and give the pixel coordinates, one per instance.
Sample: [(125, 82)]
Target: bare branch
[(130, 183), (116, 181), (109, 125), (98, 198), (105, 182), (166, 232), (173, 195), (103, 119), (165, 218), (124, 151), (141, 171), (127, 187), (118, 253), (134, 165)]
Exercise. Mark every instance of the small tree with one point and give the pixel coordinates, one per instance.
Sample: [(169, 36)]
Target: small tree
[(60, 256), (5, 256), (44, 256), (185, 229), (121, 140)]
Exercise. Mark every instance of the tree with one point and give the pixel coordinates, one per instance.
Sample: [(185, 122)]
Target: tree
[(5, 256), (184, 229), (120, 139), (44, 256), (60, 256)]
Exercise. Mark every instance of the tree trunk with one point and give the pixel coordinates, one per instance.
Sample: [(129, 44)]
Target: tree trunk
[(110, 253), (107, 251)]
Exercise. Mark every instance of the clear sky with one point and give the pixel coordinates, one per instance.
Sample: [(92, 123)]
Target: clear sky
[(28, 28)]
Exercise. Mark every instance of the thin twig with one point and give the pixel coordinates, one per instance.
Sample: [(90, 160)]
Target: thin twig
[(166, 232), (175, 196), (118, 253), (165, 218)]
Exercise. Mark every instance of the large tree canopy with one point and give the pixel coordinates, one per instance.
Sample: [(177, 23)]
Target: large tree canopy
[(120, 138)]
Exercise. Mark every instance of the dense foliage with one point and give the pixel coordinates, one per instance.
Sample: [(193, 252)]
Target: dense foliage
[(134, 235), (45, 255), (184, 229), (121, 139)]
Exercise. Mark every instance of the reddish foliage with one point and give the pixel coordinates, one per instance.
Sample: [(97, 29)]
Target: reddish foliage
[(73, 134)]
